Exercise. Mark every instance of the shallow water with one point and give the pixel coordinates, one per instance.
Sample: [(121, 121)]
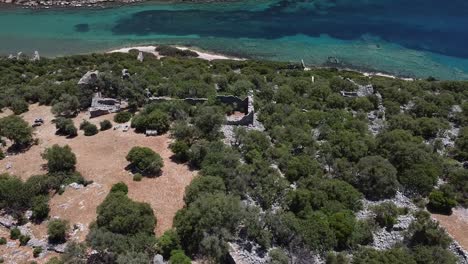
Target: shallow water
[(412, 38)]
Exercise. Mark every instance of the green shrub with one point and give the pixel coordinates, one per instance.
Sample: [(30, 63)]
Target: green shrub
[(441, 202), (105, 125), (120, 215), (66, 105), (202, 185), (15, 233), (88, 128), (3, 241), (16, 129), (66, 127), (386, 214), (179, 257), (169, 51), (122, 117), (40, 207), (277, 256), (2, 155), (145, 160), (119, 187), (377, 178), (24, 240), (19, 106), (180, 149), (57, 230), (37, 251), (168, 242), (137, 177), (155, 120), (424, 231), (59, 159)]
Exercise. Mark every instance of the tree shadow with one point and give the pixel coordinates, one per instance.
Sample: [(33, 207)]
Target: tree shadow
[(178, 161), (442, 211), (131, 168), (16, 149)]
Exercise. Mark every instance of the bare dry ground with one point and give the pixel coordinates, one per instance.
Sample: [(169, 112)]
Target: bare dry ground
[(456, 225), (101, 158)]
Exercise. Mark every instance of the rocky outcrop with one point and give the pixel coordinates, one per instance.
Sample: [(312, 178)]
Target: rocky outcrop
[(383, 238), (158, 259), (7, 220), (244, 252), (89, 78)]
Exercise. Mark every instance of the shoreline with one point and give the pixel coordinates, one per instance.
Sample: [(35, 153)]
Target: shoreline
[(209, 56), (91, 4), (204, 55)]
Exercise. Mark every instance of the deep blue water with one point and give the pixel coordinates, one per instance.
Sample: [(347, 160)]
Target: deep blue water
[(416, 38), (416, 24)]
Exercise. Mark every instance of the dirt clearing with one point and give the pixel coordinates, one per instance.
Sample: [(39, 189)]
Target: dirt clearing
[(101, 158), (456, 225)]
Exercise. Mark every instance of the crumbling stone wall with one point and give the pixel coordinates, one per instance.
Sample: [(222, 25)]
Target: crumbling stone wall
[(248, 105), (245, 106), (237, 104)]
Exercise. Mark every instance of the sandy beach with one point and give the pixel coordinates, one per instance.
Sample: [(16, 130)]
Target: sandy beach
[(201, 54)]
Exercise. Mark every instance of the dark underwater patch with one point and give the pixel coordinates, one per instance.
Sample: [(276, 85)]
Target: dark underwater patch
[(433, 29), (81, 27)]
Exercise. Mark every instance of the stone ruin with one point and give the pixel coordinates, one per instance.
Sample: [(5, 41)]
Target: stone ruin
[(36, 56), (103, 106), (140, 56), (244, 106), (362, 91)]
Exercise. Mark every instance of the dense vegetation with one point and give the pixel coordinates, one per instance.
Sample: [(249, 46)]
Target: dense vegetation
[(295, 186)]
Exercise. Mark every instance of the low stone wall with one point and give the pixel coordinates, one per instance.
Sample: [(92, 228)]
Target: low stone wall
[(192, 101), (242, 105), (98, 112)]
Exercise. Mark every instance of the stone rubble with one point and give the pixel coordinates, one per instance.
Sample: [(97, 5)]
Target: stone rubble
[(158, 259), (7, 220), (89, 78), (76, 186), (385, 239), (245, 252)]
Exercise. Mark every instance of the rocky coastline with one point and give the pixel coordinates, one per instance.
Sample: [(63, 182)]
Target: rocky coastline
[(86, 3), (66, 3)]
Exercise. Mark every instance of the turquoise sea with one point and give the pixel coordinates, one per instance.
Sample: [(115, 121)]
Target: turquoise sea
[(417, 38)]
